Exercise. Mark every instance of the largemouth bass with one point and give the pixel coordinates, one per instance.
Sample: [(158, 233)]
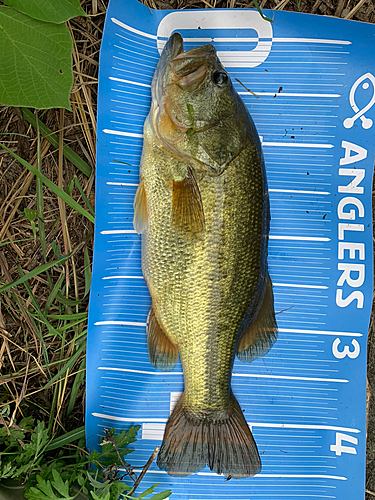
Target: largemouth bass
[(203, 211)]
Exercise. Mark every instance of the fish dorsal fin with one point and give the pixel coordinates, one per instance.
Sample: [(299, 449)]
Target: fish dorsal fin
[(259, 337), (140, 209), (163, 353), (187, 208)]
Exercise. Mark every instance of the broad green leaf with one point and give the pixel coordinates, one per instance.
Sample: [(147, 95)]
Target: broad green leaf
[(35, 62), (55, 189), (54, 140), (45, 10), (59, 485), (44, 491)]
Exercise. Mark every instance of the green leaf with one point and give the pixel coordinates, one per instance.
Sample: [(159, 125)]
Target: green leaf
[(59, 485), (35, 63), (67, 438), (79, 378), (54, 140), (261, 13), (34, 272), (4, 243), (161, 496), (72, 361), (108, 455), (54, 291), (39, 438), (30, 214), (55, 189), (148, 491), (67, 302), (45, 10), (95, 497), (86, 260), (79, 187), (44, 491), (40, 202)]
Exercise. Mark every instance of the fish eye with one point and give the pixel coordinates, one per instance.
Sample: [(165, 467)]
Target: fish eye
[(220, 78)]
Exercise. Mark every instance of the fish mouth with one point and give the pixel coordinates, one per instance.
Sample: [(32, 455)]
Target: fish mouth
[(186, 69), (190, 68), (182, 70)]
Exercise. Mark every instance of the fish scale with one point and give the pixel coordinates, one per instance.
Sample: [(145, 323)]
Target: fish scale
[(203, 213)]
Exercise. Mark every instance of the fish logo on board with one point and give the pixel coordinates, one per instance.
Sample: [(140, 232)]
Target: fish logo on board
[(360, 113)]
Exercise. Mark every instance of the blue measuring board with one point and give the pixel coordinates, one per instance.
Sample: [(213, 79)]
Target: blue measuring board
[(306, 399)]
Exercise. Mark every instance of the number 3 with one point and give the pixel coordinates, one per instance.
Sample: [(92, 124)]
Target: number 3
[(346, 352)]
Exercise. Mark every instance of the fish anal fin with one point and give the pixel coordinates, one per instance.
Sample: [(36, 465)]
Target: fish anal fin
[(163, 353), (187, 208), (140, 209), (259, 337), (222, 440)]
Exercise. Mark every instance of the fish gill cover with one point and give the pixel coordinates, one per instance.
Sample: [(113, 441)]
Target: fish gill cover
[(305, 401)]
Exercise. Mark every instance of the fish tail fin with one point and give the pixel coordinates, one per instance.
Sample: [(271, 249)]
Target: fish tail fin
[(221, 440)]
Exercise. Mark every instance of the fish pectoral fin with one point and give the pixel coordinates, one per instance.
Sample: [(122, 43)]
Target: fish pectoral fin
[(163, 353), (259, 337), (187, 208), (140, 209)]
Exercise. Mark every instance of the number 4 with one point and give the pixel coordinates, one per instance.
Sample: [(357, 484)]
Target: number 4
[(338, 448)]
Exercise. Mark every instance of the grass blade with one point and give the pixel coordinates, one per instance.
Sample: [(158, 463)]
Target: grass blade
[(69, 364), (54, 292), (39, 198), (261, 13), (87, 271), (54, 140), (55, 189), (69, 317), (40, 316), (67, 438), (34, 272), (67, 302), (79, 187), (79, 378)]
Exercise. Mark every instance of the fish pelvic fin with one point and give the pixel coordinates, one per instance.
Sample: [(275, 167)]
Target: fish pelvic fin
[(187, 207), (221, 440), (163, 353), (140, 209), (259, 337)]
